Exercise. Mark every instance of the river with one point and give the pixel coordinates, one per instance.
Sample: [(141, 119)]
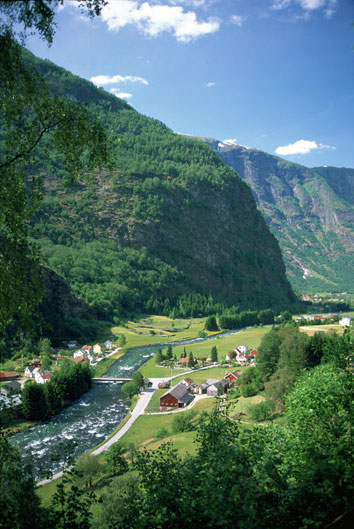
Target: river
[(90, 419)]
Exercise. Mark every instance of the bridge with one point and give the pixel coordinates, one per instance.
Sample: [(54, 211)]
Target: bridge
[(111, 379)]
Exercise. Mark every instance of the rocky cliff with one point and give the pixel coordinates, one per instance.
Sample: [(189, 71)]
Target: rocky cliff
[(310, 211)]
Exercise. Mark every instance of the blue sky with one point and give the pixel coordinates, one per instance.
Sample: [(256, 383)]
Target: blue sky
[(272, 74)]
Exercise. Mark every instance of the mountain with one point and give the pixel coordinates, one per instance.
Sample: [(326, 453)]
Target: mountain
[(310, 212), (169, 226)]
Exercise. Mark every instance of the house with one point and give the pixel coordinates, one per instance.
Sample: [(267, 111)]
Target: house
[(42, 377), (86, 350), (243, 358), (188, 382), (81, 360), (217, 388), (29, 371), (108, 344), (11, 388), (201, 389), (99, 348), (176, 397), (345, 321), (232, 376), (241, 348), (164, 384), (72, 344), (8, 376), (183, 361), (230, 355)]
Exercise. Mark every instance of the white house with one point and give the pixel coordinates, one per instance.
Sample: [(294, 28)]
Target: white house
[(108, 344), (345, 321), (42, 377), (29, 371)]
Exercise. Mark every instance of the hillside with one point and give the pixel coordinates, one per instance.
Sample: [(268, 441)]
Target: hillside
[(169, 220), (310, 211)]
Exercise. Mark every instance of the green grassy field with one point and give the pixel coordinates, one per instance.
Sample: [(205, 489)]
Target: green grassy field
[(157, 329), (251, 337), (311, 329)]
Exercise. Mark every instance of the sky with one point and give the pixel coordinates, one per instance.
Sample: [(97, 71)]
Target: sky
[(276, 75)]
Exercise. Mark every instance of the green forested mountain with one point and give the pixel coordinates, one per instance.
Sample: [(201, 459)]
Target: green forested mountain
[(310, 211), (168, 222)]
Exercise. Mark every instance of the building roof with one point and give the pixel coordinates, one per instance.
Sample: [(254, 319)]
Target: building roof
[(79, 359), (86, 347), (178, 392), (188, 380), (8, 374)]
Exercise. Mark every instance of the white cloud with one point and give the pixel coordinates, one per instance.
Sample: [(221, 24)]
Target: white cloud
[(154, 19), (300, 147), (237, 20), (231, 141), (102, 80), (309, 6), (122, 95), (210, 83)]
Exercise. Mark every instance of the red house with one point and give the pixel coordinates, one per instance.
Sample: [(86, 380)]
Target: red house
[(232, 376), (8, 375), (176, 397)]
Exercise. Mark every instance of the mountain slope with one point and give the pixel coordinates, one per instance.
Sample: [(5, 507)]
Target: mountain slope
[(170, 220), (310, 211)]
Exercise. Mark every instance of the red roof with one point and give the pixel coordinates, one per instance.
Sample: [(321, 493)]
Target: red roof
[(7, 374), (183, 361), (86, 347), (254, 352), (47, 377), (79, 359)]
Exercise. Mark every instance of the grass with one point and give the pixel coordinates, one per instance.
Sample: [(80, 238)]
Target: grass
[(154, 329), (146, 426), (242, 404), (251, 337), (311, 329)]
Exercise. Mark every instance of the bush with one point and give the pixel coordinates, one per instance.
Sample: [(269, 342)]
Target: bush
[(261, 411), (161, 433), (249, 390), (182, 422)]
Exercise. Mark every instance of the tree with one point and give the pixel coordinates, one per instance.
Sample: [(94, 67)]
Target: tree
[(190, 360), (129, 389), (89, 467), (34, 406), (268, 353), (214, 354), (45, 364), (19, 504), (122, 340), (210, 324), (158, 357), (169, 353), (33, 117), (138, 379), (117, 463), (44, 346), (182, 422)]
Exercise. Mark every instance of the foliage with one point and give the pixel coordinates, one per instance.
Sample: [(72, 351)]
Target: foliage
[(19, 504), (43, 401), (117, 463), (138, 379), (129, 389), (162, 433), (261, 411), (210, 324), (182, 422), (214, 354), (33, 116)]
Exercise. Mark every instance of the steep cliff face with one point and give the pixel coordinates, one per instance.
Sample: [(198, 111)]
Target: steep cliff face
[(169, 219), (310, 211)]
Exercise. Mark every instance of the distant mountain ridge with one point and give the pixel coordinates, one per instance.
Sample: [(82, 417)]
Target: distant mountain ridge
[(309, 210), (169, 221)]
